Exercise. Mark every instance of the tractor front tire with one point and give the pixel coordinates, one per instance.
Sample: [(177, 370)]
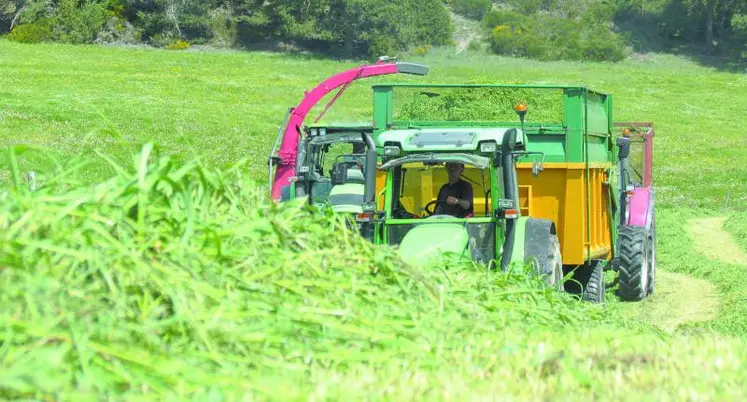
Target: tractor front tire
[(594, 289), (634, 267)]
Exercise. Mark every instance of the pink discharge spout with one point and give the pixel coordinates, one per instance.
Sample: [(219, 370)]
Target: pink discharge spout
[(287, 153)]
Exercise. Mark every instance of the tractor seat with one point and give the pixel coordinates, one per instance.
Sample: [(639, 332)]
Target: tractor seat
[(348, 197), (355, 176)]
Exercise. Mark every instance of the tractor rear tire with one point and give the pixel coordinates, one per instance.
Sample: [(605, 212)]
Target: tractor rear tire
[(542, 251), (556, 262), (594, 289), (634, 266)]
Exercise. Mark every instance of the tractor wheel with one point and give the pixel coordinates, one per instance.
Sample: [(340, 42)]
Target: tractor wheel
[(634, 266), (651, 257), (542, 251), (594, 290), (556, 262), (549, 265)]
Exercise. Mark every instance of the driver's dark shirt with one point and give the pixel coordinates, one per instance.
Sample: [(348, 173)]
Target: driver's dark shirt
[(461, 190)]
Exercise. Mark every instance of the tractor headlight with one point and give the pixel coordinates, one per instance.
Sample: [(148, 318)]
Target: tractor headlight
[(488, 146), (391, 150), (322, 131), (314, 132)]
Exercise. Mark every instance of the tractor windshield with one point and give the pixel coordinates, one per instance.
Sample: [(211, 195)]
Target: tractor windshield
[(323, 154), (635, 160), (423, 189), (423, 219)]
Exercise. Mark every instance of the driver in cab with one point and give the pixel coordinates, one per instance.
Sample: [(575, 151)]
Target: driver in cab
[(455, 197)]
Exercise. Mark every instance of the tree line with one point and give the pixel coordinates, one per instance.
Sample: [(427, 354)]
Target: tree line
[(543, 29)]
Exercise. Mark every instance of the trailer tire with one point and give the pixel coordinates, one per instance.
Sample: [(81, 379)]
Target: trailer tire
[(542, 250), (594, 289), (634, 267)]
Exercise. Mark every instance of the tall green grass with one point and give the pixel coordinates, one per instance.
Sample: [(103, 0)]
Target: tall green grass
[(172, 280), (175, 278)]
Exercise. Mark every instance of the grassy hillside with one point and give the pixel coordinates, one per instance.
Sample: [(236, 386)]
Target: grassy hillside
[(138, 273), (230, 104)]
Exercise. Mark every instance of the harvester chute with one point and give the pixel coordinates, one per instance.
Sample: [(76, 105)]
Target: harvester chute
[(285, 159)]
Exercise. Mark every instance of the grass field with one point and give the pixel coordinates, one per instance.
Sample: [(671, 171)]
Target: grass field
[(207, 292), (230, 104)]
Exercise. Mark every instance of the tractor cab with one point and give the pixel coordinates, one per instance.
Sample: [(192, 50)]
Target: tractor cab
[(337, 168), (419, 216), (334, 166)]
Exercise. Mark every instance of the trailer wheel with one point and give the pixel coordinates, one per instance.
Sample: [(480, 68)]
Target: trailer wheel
[(651, 257), (634, 266), (594, 290)]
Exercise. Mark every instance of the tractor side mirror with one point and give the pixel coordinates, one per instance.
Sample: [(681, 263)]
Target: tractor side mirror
[(368, 207), (339, 174), (536, 168), (624, 147), (305, 172)]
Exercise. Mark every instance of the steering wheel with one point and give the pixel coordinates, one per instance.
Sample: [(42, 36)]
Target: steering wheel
[(401, 213), (435, 203)]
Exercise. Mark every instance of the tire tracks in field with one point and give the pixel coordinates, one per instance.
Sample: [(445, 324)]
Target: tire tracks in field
[(710, 239), (681, 299)]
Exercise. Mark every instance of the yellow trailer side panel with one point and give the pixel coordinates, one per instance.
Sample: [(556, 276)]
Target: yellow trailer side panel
[(559, 193)]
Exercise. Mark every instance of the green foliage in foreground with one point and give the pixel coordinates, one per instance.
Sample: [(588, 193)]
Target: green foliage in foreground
[(169, 277), (182, 281)]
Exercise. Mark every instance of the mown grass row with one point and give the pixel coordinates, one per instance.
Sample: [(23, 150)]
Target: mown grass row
[(677, 253)]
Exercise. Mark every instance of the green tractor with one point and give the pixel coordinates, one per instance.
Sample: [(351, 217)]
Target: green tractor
[(482, 160), (336, 169)]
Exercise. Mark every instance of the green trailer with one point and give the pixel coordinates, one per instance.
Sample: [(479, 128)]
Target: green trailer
[(567, 169)]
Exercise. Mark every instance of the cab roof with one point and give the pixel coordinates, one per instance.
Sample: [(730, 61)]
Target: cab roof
[(445, 139)]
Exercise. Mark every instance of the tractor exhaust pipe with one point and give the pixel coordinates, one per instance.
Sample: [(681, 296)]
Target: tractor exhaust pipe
[(369, 192), (509, 172), (510, 184)]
